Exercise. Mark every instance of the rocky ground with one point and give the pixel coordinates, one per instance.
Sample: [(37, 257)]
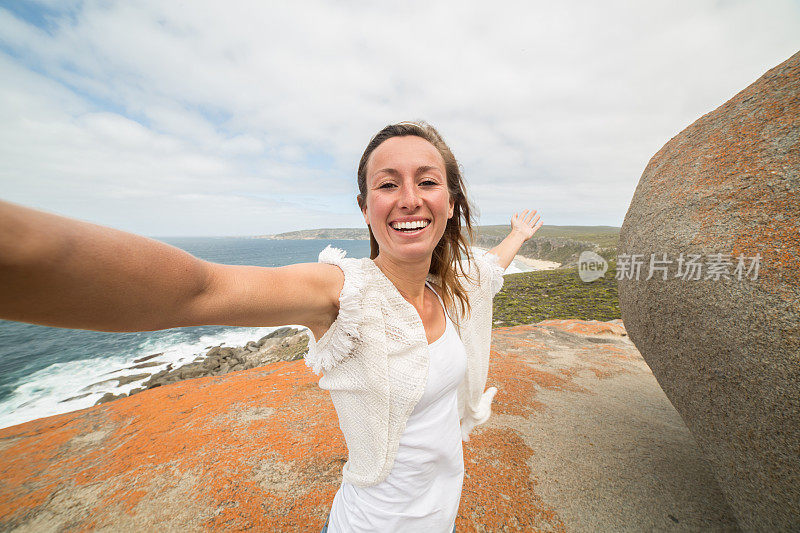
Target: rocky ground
[(581, 439)]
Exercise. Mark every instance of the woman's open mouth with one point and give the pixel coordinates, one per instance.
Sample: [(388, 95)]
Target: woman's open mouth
[(410, 228)]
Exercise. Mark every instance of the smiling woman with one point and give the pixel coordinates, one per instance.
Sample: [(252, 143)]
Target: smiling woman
[(408, 174), (405, 366), (407, 206), (398, 333)]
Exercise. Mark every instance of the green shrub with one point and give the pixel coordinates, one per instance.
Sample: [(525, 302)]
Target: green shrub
[(530, 297)]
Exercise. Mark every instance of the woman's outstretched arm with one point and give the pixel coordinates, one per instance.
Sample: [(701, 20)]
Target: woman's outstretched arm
[(62, 272), (523, 226)]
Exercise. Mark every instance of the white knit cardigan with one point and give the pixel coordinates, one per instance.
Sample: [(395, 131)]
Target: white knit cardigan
[(374, 360)]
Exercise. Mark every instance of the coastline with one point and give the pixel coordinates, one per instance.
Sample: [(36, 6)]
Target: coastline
[(165, 366), (284, 344), (534, 264), (169, 357)]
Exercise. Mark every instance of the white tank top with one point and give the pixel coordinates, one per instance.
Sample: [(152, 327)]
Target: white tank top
[(423, 489)]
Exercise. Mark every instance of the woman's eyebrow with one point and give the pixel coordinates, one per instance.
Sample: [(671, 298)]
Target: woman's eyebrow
[(420, 170)]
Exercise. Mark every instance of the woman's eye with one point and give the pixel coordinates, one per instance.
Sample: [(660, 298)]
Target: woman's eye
[(427, 182)]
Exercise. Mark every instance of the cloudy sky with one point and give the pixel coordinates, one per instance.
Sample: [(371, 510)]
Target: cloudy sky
[(171, 118)]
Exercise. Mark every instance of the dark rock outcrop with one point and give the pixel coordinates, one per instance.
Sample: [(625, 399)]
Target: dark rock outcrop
[(283, 344), (726, 347), (147, 357)]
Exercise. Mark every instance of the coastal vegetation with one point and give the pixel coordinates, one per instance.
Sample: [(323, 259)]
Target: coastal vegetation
[(530, 297)]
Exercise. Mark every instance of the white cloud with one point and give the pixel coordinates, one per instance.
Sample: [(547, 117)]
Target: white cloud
[(215, 115)]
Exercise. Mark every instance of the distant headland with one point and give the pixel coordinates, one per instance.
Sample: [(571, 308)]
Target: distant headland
[(561, 244)]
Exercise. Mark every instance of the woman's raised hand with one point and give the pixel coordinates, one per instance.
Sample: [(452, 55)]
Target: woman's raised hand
[(525, 224)]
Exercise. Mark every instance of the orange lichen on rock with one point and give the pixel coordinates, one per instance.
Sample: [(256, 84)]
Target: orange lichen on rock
[(499, 491), (723, 339), (519, 366), (587, 327), (526, 359), (261, 449), (255, 445)]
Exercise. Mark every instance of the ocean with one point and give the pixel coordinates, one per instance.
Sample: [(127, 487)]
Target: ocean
[(42, 368)]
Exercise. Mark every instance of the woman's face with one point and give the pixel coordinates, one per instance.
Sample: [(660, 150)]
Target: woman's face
[(406, 182)]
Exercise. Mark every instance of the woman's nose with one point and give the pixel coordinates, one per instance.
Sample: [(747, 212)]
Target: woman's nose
[(410, 197)]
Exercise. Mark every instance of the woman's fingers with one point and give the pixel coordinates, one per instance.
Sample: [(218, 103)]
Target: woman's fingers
[(529, 217)]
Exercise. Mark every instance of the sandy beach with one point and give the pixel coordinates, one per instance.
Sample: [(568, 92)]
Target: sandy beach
[(537, 264), (533, 264)]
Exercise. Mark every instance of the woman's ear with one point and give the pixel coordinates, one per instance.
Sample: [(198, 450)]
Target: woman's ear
[(452, 205), (363, 206)]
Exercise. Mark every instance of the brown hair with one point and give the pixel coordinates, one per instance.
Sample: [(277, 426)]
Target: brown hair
[(446, 256)]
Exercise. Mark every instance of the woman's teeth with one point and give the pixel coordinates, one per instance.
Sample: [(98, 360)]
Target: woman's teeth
[(410, 226)]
